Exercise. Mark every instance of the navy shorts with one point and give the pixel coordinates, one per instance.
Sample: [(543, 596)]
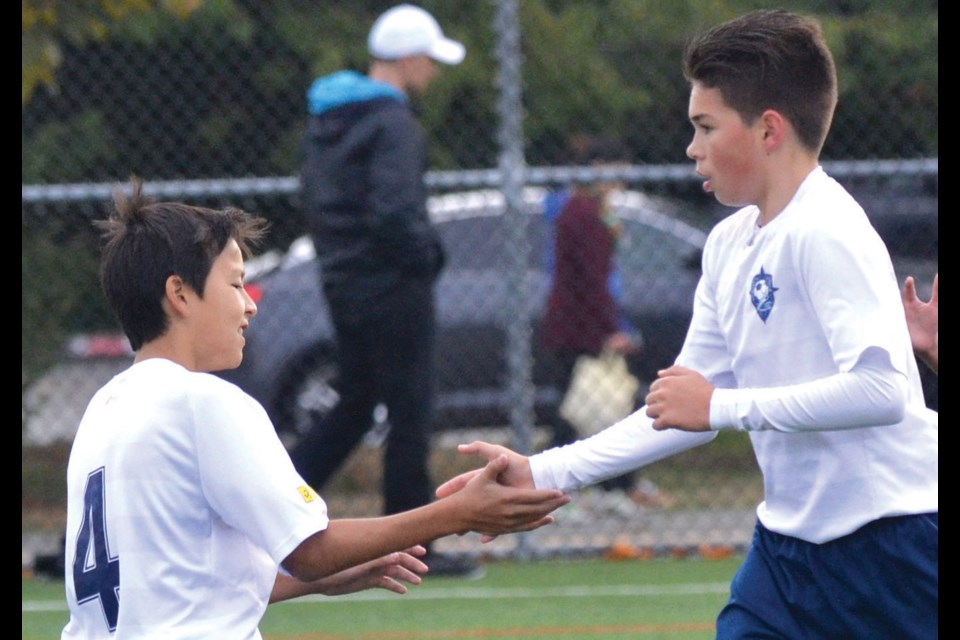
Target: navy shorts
[(877, 582)]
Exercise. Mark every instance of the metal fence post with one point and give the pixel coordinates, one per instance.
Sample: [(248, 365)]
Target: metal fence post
[(512, 165)]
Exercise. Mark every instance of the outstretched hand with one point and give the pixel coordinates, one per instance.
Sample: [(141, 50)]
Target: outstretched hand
[(386, 572), (506, 473), (923, 321), (517, 472), (503, 508), (680, 399)]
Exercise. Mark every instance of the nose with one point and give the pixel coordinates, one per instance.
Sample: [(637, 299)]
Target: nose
[(691, 149), (250, 307)]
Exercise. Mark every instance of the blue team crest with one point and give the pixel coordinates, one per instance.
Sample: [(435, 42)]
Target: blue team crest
[(761, 294)]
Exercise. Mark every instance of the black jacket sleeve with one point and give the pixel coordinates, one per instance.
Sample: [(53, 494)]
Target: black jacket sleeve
[(397, 198)]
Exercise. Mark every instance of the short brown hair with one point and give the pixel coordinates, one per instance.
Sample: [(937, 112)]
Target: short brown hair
[(769, 59)]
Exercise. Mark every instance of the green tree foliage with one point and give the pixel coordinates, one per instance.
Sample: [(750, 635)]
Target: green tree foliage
[(889, 84), (60, 291), (48, 25), (215, 88)]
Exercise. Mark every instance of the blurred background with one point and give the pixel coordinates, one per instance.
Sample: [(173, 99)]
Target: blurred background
[(205, 99)]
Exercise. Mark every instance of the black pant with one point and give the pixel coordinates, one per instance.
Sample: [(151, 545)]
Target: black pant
[(385, 355), (561, 364)]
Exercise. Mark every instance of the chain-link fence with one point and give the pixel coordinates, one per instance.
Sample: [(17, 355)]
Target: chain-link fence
[(206, 101)]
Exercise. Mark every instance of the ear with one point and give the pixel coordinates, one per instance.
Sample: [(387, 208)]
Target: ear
[(177, 296), (774, 128)]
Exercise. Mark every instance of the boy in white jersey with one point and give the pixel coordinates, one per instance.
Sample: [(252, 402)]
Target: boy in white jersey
[(185, 516), (798, 336)]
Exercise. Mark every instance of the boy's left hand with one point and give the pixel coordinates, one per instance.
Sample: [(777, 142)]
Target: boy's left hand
[(387, 572), (680, 399)]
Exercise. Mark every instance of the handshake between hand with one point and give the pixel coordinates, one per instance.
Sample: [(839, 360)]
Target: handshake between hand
[(506, 486)]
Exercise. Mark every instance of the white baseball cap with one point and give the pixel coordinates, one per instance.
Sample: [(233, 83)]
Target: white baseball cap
[(406, 30)]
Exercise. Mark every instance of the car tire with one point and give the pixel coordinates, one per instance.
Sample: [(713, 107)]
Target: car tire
[(309, 395)]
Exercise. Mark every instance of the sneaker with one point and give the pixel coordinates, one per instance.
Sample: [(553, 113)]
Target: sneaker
[(647, 494), (617, 503), (572, 513), (443, 565), (601, 503)]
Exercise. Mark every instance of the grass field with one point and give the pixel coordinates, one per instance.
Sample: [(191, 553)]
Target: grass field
[(675, 599)]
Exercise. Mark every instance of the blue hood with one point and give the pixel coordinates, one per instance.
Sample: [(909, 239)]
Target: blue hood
[(345, 87)]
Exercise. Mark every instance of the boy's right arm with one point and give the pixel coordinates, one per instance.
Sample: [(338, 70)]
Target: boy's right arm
[(625, 446), (483, 505), (629, 444)]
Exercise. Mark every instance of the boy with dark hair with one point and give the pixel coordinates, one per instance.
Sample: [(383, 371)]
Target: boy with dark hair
[(180, 495), (798, 337)]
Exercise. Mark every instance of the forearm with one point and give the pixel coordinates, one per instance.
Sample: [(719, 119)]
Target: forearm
[(397, 203), (410, 242), (483, 505), (931, 355), (626, 446), (349, 542), (871, 394), (287, 587)]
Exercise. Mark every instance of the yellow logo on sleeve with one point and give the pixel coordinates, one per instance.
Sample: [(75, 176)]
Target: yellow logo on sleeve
[(309, 495)]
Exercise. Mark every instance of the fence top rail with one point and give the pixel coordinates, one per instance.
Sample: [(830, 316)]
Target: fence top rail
[(468, 178)]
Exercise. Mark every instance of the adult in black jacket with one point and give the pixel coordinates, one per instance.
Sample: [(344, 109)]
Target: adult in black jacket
[(364, 196)]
